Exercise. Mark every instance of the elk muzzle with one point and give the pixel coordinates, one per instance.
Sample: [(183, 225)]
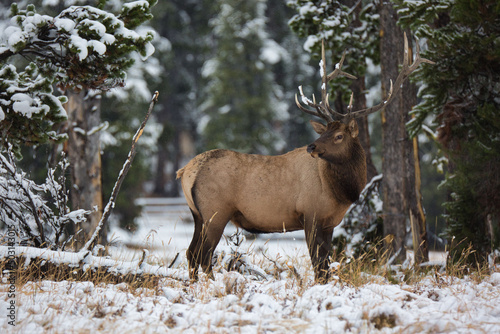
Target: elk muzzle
[(313, 150)]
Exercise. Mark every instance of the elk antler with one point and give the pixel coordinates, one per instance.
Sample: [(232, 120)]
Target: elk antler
[(323, 109), (405, 72)]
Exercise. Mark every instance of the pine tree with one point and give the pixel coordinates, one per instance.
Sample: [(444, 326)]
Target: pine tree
[(241, 108), (461, 95), (82, 47), (83, 50), (293, 67)]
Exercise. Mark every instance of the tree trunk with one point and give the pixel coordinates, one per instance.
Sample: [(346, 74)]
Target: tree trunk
[(413, 194), (84, 117), (393, 137), (401, 168)]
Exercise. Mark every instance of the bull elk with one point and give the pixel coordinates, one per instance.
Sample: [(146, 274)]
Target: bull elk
[(309, 188)]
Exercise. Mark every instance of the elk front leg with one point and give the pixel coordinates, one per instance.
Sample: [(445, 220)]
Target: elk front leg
[(209, 239), (319, 243)]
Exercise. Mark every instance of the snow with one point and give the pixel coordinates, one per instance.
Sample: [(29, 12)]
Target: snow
[(80, 45), (235, 302), (98, 47), (15, 36), (65, 24)]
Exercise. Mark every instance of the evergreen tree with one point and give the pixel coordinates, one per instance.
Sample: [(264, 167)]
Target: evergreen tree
[(80, 50), (461, 95), (82, 47), (242, 107)]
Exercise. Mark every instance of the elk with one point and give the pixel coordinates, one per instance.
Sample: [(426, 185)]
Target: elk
[(309, 188)]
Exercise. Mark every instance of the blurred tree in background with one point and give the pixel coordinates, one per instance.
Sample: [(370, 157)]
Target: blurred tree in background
[(243, 103)]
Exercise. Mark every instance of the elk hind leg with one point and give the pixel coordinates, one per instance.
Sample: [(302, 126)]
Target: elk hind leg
[(193, 252)]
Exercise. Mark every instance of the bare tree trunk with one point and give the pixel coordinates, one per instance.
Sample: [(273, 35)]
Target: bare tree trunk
[(413, 195), (416, 210), (84, 118), (393, 136)]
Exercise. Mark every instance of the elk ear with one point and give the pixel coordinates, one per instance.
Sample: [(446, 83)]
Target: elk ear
[(318, 127), (353, 128)]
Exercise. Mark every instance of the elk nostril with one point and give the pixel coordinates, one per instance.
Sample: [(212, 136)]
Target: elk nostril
[(311, 148)]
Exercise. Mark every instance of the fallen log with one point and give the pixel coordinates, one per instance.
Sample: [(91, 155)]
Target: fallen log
[(83, 265)]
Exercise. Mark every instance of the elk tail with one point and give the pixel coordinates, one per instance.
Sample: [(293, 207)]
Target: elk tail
[(180, 172)]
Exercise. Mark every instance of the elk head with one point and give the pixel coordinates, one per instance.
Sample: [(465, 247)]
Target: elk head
[(335, 141), (341, 130)]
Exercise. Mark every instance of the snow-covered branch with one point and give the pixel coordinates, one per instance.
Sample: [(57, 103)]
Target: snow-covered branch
[(38, 213)]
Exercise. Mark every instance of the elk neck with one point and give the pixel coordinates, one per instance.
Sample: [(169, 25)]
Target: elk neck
[(345, 177)]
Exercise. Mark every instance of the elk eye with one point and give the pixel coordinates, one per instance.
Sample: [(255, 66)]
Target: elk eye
[(339, 137)]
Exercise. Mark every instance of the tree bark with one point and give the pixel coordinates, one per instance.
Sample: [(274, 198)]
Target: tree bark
[(84, 117), (393, 137)]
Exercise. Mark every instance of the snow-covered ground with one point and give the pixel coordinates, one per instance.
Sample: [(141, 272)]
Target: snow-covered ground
[(236, 303)]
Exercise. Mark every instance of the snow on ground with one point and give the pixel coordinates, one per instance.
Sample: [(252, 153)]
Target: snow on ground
[(235, 303)]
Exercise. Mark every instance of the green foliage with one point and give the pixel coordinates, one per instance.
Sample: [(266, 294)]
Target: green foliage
[(461, 93), (29, 110), (473, 212)]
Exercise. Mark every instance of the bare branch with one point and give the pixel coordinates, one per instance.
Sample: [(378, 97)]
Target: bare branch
[(121, 177)]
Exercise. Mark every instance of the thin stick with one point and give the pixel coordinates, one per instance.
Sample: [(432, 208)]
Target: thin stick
[(121, 177)]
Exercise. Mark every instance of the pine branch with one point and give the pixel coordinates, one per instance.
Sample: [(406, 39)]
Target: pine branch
[(121, 177)]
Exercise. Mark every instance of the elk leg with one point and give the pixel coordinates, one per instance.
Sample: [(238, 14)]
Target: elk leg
[(193, 252), (210, 236), (319, 243)]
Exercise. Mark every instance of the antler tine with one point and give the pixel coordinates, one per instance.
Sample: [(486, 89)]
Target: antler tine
[(405, 72), (308, 102), (349, 107)]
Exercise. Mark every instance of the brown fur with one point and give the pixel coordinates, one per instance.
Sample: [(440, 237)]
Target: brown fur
[(280, 193)]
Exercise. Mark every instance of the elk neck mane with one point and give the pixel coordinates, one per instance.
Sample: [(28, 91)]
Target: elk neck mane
[(346, 177)]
